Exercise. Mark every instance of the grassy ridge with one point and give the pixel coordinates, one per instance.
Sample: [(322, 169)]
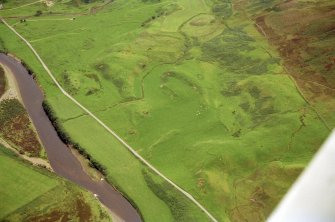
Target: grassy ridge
[(122, 166), (31, 194), (195, 87)]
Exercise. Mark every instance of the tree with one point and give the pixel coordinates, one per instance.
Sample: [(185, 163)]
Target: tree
[(38, 13)]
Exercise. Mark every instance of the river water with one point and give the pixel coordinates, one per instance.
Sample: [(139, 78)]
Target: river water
[(62, 161)]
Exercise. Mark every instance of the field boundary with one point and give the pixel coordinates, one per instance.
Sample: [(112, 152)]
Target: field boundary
[(21, 6), (138, 156)]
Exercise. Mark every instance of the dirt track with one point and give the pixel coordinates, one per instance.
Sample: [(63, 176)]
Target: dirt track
[(62, 161)]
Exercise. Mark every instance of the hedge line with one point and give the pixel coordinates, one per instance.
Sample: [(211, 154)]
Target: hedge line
[(27, 67), (3, 48), (93, 163), (64, 136)]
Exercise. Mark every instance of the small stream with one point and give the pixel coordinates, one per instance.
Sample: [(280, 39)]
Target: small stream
[(62, 161)]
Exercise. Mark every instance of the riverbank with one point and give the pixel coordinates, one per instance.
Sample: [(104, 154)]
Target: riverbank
[(23, 126), (11, 90), (61, 159), (30, 193), (39, 162)]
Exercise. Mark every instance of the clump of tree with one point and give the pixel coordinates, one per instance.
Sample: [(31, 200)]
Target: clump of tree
[(3, 48), (92, 162), (28, 68), (146, 22), (55, 122), (38, 13)]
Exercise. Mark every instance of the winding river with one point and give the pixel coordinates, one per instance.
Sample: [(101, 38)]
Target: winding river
[(62, 161)]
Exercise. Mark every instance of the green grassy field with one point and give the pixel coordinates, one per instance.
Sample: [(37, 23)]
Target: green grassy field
[(32, 194), (194, 86)]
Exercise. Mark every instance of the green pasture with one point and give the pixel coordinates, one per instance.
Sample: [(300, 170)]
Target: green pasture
[(20, 184), (28, 192), (30, 8), (194, 87)]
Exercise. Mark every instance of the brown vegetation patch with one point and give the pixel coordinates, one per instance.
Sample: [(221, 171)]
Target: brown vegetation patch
[(303, 39), (83, 210), (19, 132), (304, 35), (54, 215), (258, 193), (16, 128), (68, 206), (239, 5), (287, 5), (201, 183)]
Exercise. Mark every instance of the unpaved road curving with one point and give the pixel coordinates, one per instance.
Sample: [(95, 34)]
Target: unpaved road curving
[(62, 161), (123, 142)]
